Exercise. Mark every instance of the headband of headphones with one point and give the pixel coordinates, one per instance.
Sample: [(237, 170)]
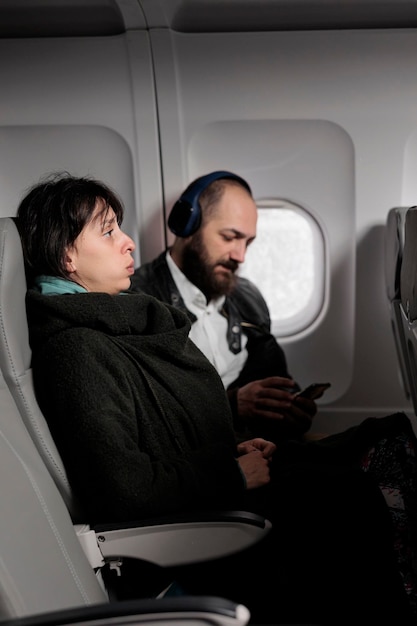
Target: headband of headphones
[(185, 216)]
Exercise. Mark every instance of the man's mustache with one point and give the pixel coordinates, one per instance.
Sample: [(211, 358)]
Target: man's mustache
[(230, 265)]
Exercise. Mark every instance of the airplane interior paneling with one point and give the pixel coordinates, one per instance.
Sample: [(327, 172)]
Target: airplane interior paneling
[(314, 110), (313, 102)]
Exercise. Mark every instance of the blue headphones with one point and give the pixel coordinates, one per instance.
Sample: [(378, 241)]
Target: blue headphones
[(185, 216)]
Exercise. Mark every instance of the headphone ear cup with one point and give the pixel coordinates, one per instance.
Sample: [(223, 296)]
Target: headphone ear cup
[(184, 218)]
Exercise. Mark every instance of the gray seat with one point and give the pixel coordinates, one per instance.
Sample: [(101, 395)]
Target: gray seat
[(163, 542), (37, 535), (45, 577), (408, 307), (394, 248)]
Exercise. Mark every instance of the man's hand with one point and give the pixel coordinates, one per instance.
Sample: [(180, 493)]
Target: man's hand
[(269, 397), (274, 399), (300, 415)]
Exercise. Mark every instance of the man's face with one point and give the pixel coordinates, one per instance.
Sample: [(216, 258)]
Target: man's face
[(213, 254)]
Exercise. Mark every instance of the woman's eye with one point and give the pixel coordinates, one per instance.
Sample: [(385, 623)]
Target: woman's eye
[(109, 232)]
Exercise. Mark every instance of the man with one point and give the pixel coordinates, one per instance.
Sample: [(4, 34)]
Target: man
[(214, 221)]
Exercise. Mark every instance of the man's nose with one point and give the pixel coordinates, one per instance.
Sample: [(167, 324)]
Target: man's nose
[(239, 251)]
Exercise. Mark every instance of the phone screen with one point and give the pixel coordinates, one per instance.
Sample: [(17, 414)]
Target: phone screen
[(314, 391)]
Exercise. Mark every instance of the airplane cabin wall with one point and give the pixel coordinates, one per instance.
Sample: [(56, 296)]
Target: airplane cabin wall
[(85, 105), (325, 119)]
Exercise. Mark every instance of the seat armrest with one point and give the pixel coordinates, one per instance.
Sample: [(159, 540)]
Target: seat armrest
[(181, 540), (198, 610)]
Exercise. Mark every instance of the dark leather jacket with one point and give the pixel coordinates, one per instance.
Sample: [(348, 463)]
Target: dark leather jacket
[(246, 312)]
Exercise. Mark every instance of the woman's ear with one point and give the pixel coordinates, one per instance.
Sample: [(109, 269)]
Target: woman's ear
[(69, 263)]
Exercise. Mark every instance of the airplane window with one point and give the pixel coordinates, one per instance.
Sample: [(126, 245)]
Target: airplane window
[(287, 262)]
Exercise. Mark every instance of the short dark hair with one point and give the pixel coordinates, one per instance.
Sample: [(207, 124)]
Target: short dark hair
[(212, 194), (52, 215)]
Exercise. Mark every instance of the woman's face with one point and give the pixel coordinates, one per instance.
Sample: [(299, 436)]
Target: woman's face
[(100, 259)]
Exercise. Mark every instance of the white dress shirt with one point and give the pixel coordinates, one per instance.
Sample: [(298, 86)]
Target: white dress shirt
[(209, 331)]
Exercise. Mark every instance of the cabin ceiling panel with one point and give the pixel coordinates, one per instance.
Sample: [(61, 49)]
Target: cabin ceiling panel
[(195, 16), (58, 18), (70, 18)]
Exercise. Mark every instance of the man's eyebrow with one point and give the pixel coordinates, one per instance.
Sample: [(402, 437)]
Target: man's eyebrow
[(236, 233), (233, 231)]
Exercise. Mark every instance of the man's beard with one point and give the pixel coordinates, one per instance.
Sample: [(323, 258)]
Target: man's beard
[(198, 269)]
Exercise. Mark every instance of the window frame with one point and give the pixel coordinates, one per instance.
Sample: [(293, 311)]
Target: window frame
[(305, 319)]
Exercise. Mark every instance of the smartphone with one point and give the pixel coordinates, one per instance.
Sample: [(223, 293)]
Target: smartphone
[(314, 391)]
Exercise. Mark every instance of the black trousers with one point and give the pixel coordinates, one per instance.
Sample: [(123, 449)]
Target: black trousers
[(329, 558)]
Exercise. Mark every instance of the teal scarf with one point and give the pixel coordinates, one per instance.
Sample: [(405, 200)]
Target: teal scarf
[(53, 285)]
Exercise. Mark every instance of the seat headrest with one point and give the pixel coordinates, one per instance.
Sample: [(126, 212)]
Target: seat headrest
[(408, 282)]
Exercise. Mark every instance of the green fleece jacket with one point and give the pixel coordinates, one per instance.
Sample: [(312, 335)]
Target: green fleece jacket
[(139, 415)]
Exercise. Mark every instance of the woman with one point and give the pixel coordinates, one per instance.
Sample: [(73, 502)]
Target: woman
[(144, 427)]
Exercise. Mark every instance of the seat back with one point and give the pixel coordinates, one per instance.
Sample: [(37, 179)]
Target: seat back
[(42, 564), (408, 306), (44, 567), (45, 576), (15, 358), (394, 248)]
